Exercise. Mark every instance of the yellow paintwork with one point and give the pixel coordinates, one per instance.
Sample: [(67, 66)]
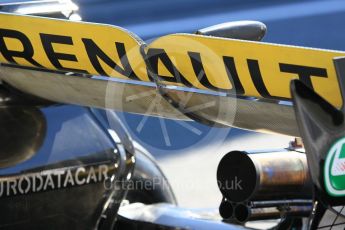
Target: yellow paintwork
[(177, 46), (104, 36), (268, 55)]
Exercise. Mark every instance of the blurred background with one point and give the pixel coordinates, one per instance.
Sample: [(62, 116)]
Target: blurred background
[(186, 152)]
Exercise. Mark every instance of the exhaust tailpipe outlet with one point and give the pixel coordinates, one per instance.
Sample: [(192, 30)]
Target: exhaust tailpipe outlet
[(226, 209), (242, 213), (244, 177)]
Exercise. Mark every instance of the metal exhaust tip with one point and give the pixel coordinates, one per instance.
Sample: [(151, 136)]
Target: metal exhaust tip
[(242, 213)]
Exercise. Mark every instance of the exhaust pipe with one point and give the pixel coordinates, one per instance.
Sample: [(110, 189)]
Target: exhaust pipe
[(244, 213), (264, 177), (263, 186), (226, 209)]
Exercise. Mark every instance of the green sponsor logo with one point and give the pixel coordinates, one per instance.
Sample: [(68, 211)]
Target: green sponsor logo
[(334, 170)]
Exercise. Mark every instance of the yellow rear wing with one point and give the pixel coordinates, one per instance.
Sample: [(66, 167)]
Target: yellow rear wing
[(110, 67)]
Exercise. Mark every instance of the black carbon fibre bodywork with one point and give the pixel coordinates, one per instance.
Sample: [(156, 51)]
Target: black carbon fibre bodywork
[(62, 184)]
